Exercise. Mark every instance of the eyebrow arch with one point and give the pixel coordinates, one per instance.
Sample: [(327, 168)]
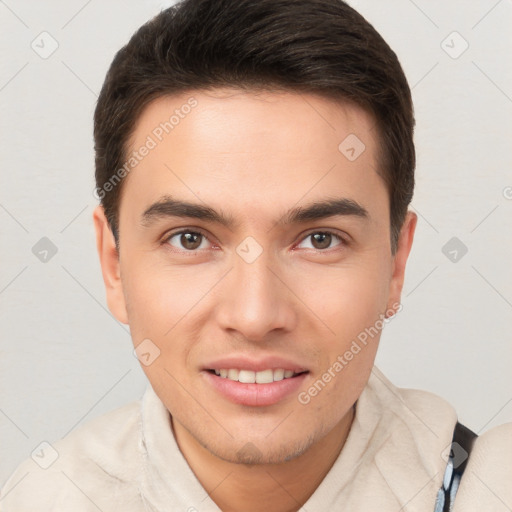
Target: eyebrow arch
[(167, 206), (319, 210)]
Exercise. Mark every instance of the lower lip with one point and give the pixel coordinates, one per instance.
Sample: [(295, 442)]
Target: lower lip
[(255, 394)]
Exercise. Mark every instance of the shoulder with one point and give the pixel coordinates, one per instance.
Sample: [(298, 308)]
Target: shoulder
[(94, 461), (495, 447), (485, 484), (404, 420), (421, 410)]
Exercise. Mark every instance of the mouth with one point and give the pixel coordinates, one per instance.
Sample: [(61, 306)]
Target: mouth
[(255, 377), (255, 388)]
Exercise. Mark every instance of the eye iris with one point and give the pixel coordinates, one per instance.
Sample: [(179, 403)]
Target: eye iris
[(190, 240), (321, 240)]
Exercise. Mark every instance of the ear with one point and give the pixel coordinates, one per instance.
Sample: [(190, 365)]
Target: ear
[(400, 259), (110, 268)]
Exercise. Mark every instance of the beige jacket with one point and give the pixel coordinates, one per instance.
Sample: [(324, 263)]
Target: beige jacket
[(128, 461)]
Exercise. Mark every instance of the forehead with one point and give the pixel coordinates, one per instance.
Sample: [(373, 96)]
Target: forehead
[(238, 113), (257, 149)]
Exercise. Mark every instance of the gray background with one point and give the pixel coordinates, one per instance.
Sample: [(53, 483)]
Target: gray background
[(64, 360)]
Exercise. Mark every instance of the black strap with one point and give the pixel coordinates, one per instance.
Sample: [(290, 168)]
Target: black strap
[(465, 438), (462, 442)]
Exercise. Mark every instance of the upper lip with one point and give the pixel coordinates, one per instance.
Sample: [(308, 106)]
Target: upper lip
[(255, 365)]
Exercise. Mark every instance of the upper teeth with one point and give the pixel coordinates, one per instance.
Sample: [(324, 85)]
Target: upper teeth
[(250, 377)]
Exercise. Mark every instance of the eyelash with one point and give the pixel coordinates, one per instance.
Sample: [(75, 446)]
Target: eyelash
[(343, 241)]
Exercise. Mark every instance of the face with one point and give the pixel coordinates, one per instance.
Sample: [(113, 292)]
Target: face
[(279, 261)]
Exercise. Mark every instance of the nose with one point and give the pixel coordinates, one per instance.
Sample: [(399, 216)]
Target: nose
[(255, 299)]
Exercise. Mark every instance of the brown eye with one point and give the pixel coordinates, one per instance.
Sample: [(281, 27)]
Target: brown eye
[(321, 240), (188, 240)]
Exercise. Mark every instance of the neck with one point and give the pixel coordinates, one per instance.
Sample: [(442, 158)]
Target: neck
[(269, 487)]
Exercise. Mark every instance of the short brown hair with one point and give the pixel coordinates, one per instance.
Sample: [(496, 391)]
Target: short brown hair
[(311, 46)]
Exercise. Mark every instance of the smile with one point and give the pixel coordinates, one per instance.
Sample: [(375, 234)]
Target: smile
[(255, 388), (251, 377)]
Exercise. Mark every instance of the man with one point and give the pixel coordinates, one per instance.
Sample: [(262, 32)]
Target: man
[(254, 163)]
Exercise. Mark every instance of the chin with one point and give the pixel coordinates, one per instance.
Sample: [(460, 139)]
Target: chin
[(260, 451)]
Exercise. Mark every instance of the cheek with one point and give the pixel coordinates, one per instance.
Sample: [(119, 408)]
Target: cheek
[(158, 297), (347, 299), (160, 302), (157, 301)]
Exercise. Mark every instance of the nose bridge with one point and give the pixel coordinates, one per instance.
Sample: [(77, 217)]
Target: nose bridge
[(255, 301), (256, 275), (256, 284)]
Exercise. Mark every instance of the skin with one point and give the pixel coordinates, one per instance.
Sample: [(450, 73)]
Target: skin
[(254, 156)]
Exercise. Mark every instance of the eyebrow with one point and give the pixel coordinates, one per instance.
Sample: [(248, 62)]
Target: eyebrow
[(170, 207)]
